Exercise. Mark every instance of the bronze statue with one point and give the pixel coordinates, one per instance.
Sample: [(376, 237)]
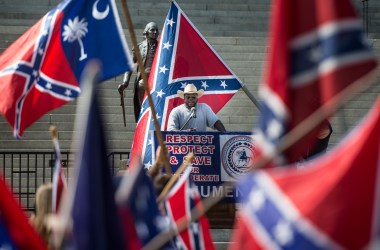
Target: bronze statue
[(147, 50)]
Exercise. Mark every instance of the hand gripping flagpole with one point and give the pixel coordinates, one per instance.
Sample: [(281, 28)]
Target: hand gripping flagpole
[(146, 87), (174, 178)]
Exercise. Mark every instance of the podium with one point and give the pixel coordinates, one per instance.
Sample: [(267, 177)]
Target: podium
[(219, 157)]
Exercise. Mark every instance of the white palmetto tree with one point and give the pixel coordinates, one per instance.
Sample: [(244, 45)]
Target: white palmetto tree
[(76, 30)]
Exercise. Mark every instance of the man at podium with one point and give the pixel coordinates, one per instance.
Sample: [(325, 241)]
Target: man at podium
[(193, 116)]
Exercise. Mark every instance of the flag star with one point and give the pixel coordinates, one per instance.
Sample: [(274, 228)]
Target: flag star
[(157, 116), (147, 165), (150, 142), (160, 93), (68, 92), (193, 192), (274, 129), (142, 230), (170, 22), (178, 243), (45, 32), (223, 84), (257, 199), (163, 69), (167, 45), (183, 85), (40, 51), (316, 54), (204, 85), (282, 232), (195, 227), (48, 85), (161, 222), (142, 197), (35, 73)]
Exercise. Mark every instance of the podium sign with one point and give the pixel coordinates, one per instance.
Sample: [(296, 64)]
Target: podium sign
[(219, 157)]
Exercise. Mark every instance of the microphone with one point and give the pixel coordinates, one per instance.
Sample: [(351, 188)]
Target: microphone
[(192, 115), (193, 112)]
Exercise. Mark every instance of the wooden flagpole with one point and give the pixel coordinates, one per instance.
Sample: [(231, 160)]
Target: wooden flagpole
[(174, 178), (146, 87)]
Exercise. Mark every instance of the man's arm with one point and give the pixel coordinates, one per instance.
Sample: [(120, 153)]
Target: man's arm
[(218, 125), (211, 117), (173, 124)]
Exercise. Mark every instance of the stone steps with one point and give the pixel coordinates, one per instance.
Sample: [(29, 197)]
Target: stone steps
[(237, 31), (156, 9), (206, 29)]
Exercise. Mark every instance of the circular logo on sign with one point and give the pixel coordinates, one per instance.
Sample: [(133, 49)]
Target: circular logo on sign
[(237, 155)]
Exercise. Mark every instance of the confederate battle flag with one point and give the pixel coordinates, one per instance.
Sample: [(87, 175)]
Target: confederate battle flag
[(317, 50), (332, 203), (183, 56), (41, 70), (181, 200)]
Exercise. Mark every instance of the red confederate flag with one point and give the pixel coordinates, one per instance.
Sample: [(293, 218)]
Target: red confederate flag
[(183, 57), (41, 70), (317, 49), (182, 198), (333, 203)]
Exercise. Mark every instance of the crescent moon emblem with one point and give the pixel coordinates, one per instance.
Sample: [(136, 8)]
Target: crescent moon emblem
[(97, 14)]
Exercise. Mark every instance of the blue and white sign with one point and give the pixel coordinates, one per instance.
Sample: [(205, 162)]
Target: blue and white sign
[(219, 157)]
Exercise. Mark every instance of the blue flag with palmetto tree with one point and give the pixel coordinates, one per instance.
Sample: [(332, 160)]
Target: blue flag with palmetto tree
[(40, 71)]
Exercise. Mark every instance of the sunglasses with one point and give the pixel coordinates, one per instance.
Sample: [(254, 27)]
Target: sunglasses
[(191, 97)]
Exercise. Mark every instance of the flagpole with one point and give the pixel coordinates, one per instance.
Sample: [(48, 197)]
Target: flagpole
[(54, 138), (251, 97), (146, 87), (54, 133), (175, 176)]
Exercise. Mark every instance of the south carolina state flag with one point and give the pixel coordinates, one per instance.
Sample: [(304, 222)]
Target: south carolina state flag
[(183, 57), (40, 71), (333, 203), (317, 50)]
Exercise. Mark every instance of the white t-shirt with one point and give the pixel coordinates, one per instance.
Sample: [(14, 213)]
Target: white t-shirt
[(205, 117)]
